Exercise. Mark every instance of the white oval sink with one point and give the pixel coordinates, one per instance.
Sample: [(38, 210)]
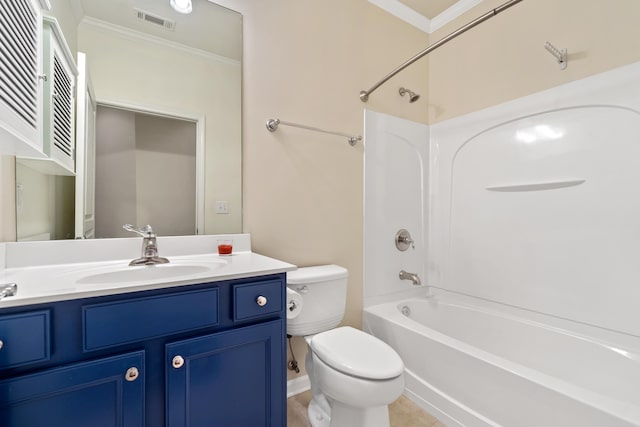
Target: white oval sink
[(149, 273)]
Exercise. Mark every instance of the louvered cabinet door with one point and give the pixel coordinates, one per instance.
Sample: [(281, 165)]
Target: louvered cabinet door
[(59, 97), (20, 87)]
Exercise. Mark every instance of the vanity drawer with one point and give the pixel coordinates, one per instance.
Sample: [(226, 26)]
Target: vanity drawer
[(25, 338), (247, 299), (121, 322)]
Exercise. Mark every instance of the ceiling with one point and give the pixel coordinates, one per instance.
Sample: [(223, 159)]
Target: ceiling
[(426, 15), (429, 8), (210, 27)]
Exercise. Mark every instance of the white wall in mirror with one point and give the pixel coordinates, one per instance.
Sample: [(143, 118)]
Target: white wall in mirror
[(44, 205)]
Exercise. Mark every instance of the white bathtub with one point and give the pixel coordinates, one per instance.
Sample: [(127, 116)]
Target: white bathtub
[(476, 366)]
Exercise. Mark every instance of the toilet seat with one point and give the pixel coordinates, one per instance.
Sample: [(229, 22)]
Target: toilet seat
[(357, 353)]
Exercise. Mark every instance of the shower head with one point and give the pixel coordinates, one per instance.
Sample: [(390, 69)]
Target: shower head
[(413, 97)]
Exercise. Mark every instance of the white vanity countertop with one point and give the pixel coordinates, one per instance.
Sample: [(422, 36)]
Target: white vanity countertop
[(63, 270)]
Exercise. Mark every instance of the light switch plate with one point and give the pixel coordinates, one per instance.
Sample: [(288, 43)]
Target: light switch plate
[(222, 207)]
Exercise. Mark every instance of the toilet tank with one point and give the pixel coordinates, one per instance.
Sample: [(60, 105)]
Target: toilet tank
[(324, 295)]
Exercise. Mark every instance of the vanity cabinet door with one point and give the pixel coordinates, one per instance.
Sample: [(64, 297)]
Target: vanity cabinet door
[(231, 378), (107, 392)]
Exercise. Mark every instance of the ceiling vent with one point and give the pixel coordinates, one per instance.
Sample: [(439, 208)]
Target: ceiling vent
[(167, 24)]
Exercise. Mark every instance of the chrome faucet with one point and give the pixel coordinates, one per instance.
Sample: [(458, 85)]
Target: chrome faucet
[(149, 255), (410, 276), (8, 290)]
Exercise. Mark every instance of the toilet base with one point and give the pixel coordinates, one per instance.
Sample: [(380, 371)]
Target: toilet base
[(340, 415), (319, 412)]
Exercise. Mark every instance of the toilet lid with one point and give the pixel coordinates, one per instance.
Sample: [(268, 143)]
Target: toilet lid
[(357, 353)]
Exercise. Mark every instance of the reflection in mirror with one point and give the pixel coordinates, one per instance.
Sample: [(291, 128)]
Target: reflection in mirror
[(134, 151), (143, 55)]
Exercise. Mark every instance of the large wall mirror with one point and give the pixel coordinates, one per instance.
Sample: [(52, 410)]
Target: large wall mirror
[(167, 93)]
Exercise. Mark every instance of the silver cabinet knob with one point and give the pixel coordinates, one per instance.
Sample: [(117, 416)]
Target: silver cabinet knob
[(261, 301), (132, 374), (177, 362), (1, 344)]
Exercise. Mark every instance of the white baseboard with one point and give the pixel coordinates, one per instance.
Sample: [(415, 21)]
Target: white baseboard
[(298, 385)]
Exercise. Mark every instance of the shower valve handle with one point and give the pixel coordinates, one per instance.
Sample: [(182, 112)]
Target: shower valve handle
[(404, 240)]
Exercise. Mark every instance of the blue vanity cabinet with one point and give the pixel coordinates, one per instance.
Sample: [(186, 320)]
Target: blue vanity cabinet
[(210, 354), (101, 393), (227, 379)]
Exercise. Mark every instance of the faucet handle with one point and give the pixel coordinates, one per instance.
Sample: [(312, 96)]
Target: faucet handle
[(403, 240), (145, 231)]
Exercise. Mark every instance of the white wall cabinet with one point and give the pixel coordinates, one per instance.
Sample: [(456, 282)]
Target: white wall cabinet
[(20, 83), (59, 96), (37, 89), (59, 89)]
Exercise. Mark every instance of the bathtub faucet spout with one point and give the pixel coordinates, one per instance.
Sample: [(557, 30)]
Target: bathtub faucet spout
[(410, 276)]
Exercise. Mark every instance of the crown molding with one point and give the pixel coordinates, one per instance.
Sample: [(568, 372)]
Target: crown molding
[(452, 13), (134, 35), (405, 13), (45, 4), (410, 16)]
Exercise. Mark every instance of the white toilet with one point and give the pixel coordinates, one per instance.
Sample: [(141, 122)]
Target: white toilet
[(354, 376)]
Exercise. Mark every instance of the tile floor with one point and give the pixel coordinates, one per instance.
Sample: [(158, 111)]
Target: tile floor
[(402, 413)]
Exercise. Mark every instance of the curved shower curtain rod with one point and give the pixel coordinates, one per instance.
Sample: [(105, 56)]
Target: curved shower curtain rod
[(364, 95)]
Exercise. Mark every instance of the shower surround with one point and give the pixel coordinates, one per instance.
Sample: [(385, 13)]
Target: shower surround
[(525, 221)]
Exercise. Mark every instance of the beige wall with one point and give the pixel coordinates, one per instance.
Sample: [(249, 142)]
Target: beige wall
[(67, 13), (306, 62), (8, 197), (64, 191), (504, 58), (47, 208), (166, 174), (35, 211), (115, 190)]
